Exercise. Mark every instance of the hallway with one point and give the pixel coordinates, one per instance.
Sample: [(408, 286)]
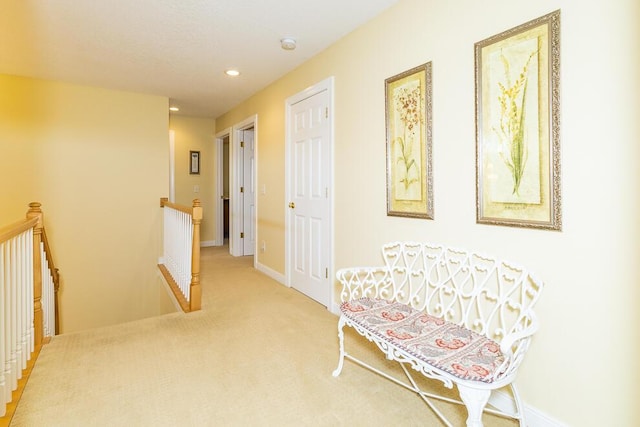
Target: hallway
[(257, 354)]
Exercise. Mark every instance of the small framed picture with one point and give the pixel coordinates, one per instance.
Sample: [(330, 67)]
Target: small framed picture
[(194, 162)]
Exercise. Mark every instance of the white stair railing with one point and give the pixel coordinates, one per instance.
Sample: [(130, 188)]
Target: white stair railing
[(26, 272), (16, 303), (180, 263)]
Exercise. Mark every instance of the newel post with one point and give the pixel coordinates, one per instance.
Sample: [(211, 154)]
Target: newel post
[(196, 291), (35, 212)]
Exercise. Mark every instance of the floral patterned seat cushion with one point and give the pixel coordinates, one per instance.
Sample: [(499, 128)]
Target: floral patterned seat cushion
[(444, 345)]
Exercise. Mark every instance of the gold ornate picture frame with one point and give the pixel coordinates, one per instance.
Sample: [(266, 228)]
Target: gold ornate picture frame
[(408, 108), (517, 82)]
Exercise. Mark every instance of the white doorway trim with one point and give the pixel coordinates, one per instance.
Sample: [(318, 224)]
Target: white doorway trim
[(172, 166), (235, 221), (219, 190), (328, 85)]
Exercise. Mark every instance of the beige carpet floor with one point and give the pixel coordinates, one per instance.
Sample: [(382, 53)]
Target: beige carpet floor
[(257, 354)]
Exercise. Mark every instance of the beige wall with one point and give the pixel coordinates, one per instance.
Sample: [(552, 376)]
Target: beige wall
[(270, 165), (196, 134), (582, 368), (97, 160)]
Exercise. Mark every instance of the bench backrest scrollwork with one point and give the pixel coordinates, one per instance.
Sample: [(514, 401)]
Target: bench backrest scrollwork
[(490, 296)]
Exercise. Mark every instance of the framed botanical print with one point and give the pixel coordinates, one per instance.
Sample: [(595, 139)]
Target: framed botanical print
[(517, 79), (408, 107)]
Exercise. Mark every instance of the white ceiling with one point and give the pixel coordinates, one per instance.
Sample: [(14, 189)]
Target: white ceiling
[(174, 48)]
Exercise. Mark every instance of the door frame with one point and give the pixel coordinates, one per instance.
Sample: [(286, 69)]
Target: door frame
[(235, 222), (219, 189), (172, 166), (328, 85)]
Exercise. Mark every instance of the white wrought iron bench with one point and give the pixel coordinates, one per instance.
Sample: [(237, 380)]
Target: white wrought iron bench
[(459, 317)]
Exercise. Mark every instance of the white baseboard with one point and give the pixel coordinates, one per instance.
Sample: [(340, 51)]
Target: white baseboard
[(278, 277), (335, 308), (534, 417), (207, 243)]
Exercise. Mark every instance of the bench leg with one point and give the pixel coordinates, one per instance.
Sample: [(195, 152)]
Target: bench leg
[(519, 406), (475, 400), (341, 340)]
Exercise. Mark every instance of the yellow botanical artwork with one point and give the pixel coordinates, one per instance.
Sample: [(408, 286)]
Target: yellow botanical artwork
[(512, 146), (517, 131)]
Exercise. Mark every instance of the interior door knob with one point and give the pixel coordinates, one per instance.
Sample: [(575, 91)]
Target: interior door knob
[(292, 205)]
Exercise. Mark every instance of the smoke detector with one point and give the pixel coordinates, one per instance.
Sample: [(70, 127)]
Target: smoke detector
[(288, 43)]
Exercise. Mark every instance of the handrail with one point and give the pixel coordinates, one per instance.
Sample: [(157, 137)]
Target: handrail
[(10, 231), (186, 209), (180, 263)]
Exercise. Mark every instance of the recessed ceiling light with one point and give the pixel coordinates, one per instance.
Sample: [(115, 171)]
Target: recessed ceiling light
[(232, 73), (174, 109)]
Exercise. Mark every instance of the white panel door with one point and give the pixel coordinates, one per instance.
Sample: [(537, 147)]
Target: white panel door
[(309, 207), (248, 192)]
